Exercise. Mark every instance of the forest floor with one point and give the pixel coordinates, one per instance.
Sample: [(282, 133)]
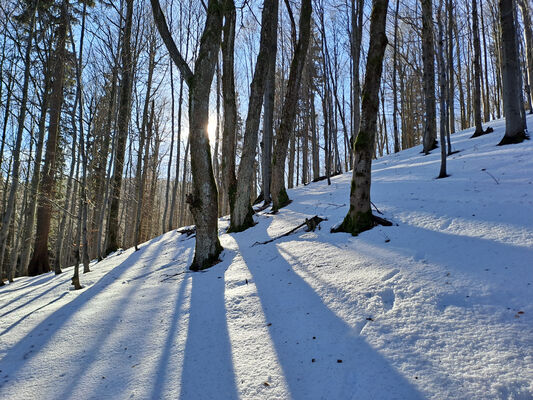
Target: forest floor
[(439, 306)]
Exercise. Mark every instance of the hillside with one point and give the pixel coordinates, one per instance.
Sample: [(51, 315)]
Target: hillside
[(439, 306)]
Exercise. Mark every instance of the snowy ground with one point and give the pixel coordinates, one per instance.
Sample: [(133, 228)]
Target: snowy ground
[(439, 306)]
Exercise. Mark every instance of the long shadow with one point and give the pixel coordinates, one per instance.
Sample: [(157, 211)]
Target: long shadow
[(321, 356), (38, 338), (32, 282), (30, 300), (208, 371), (167, 351), (30, 313)]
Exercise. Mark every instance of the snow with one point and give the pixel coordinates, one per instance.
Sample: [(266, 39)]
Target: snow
[(439, 306)]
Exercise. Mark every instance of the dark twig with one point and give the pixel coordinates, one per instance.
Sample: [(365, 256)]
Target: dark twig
[(311, 226)]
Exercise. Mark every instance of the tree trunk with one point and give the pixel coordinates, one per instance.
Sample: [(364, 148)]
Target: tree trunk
[(477, 72), (113, 225), (528, 33), (451, 84), (443, 91), (428, 56), (394, 83), (8, 214), (355, 49), (203, 201), (241, 209), (40, 262), (360, 218), (278, 191), (514, 128), (229, 180), (140, 174), (268, 117)]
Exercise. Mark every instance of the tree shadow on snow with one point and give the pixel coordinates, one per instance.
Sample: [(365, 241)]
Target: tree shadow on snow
[(41, 335), (208, 371), (320, 355)]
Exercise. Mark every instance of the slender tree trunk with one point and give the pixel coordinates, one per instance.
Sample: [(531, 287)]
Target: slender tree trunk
[(241, 209), (460, 80), (394, 83), (279, 194), (428, 56), (477, 72), (355, 48), (173, 206), (514, 128), (314, 139), (525, 7), (360, 217), (167, 224), (268, 117), (112, 234), (451, 83), (229, 180), (9, 211), (140, 174), (39, 262), (443, 90)]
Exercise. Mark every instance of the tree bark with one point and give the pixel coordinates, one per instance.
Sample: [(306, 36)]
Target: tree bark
[(241, 209), (112, 234), (443, 91), (203, 201), (8, 214), (229, 180), (40, 262), (477, 72), (528, 33), (514, 128), (360, 217), (428, 56), (278, 191)]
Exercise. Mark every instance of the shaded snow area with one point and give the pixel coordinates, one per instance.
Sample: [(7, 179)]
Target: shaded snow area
[(439, 306)]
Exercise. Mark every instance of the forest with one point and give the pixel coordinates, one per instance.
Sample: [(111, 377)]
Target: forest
[(266, 199), (123, 120)]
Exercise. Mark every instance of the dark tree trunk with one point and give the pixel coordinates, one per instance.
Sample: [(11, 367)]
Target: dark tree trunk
[(514, 128), (477, 72), (203, 201), (525, 7), (360, 217), (229, 180), (241, 209), (112, 234), (8, 214), (428, 56), (40, 262), (278, 191)]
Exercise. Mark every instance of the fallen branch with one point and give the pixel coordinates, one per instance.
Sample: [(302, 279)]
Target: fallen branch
[(377, 210), (311, 226)]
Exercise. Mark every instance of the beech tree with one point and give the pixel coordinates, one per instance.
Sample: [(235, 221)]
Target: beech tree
[(360, 217), (241, 209), (277, 189), (514, 126), (428, 55), (203, 202)]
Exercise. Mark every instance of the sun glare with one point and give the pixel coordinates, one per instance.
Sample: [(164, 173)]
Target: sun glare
[(211, 128)]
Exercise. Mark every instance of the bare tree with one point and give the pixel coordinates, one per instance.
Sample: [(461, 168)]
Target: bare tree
[(278, 191), (203, 201), (360, 217), (514, 127)]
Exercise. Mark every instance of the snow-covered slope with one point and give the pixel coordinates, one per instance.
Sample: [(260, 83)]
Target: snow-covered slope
[(439, 306)]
